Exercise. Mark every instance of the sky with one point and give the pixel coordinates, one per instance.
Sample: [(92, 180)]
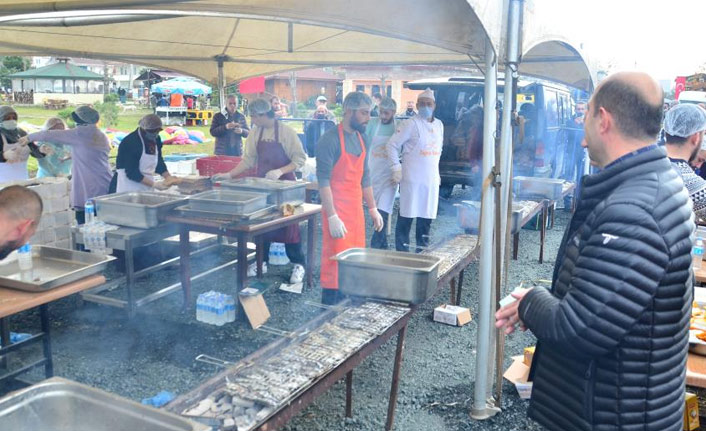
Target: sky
[(665, 38)]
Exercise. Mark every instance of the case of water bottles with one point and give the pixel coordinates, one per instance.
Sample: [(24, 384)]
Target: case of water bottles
[(278, 254), (94, 231), (215, 308)]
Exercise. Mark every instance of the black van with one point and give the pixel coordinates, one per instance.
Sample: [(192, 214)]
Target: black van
[(545, 146)]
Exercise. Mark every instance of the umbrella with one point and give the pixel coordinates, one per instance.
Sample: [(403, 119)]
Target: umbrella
[(181, 85)]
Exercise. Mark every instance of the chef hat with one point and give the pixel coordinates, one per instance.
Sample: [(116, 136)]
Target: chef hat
[(357, 100), (321, 98), (427, 94), (85, 115), (150, 122), (388, 104), (53, 122), (684, 120)]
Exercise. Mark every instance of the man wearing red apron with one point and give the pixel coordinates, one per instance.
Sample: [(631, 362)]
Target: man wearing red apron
[(344, 181), (275, 150)]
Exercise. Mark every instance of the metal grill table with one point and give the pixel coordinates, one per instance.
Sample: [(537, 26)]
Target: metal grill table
[(456, 253)]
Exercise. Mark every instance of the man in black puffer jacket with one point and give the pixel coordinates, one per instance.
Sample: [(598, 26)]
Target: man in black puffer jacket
[(613, 331)]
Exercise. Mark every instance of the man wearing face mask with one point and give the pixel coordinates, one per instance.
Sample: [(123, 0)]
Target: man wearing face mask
[(419, 141), (140, 157), (20, 211), (344, 182), (229, 128), (315, 129), (378, 132), (14, 151), (684, 127)]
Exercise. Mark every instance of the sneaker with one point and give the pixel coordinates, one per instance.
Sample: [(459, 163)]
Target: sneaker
[(297, 274), (252, 269)]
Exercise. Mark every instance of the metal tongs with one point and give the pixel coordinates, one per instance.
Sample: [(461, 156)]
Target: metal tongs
[(206, 359), (275, 331)]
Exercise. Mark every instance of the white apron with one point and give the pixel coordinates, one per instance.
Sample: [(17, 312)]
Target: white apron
[(380, 173), (13, 171), (419, 188), (148, 164)]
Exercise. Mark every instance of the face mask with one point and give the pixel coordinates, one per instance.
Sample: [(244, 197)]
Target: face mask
[(9, 124), (425, 112), (320, 116), (151, 136)]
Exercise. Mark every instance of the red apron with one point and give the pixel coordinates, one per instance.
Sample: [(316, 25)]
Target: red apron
[(271, 155), (347, 193)]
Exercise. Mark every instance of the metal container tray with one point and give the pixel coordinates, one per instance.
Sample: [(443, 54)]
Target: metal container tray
[(63, 405), (229, 202), (468, 215), (51, 267), (385, 274), (188, 211), (136, 209), (548, 188), (278, 191)]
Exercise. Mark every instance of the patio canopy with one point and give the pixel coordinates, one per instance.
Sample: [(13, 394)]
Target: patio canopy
[(182, 85)]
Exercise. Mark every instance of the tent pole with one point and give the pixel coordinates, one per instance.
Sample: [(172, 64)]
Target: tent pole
[(221, 85), (480, 409)]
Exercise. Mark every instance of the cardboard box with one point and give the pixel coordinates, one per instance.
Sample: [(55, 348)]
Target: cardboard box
[(254, 305), (529, 354), (452, 315), (518, 374), (691, 412)]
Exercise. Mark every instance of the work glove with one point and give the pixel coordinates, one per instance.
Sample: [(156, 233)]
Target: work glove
[(396, 175), (221, 177), (336, 227), (274, 174), (46, 150), (377, 219)]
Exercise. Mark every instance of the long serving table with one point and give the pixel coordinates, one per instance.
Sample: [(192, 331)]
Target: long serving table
[(127, 239), (456, 253), (15, 301), (243, 232)]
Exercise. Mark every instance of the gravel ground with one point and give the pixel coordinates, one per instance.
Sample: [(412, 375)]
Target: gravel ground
[(137, 358)]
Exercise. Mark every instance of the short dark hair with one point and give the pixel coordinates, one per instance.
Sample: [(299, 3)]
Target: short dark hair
[(674, 140), (634, 116), (21, 203)]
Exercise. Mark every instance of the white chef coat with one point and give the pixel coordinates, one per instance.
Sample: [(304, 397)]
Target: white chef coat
[(420, 144), (384, 190), (148, 164)]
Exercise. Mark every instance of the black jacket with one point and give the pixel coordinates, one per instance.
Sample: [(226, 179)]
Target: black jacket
[(228, 143), (130, 153), (613, 332)]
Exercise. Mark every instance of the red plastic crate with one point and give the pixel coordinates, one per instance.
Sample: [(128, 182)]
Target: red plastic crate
[(212, 165)]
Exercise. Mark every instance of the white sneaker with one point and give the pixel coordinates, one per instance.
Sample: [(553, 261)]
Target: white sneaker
[(297, 274), (252, 269)]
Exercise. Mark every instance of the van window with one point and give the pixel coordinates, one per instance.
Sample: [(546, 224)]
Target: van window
[(551, 109)]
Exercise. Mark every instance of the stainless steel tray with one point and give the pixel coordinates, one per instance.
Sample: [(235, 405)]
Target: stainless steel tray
[(385, 274), (136, 209), (188, 211), (278, 191), (468, 215), (537, 187), (229, 202), (51, 267), (63, 405)]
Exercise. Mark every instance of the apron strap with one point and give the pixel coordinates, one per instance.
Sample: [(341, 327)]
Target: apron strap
[(262, 129), (342, 142)]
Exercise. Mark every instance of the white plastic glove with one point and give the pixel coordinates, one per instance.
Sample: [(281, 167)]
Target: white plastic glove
[(274, 174), (397, 175), (221, 177), (336, 227), (46, 150), (161, 185), (23, 141), (10, 155), (377, 219)]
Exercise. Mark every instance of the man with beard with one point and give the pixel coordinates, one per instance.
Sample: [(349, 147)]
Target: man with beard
[(378, 132), (344, 181), (20, 211), (684, 127)]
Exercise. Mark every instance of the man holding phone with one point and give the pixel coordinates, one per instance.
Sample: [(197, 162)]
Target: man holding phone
[(229, 128)]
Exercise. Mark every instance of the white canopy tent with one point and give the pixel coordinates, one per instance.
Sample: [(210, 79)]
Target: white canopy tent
[(224, 41)]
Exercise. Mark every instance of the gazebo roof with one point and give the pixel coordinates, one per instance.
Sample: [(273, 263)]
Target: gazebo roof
[(61, 70)]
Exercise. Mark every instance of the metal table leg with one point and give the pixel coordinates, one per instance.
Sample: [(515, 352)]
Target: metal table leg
[(242, 261), (259, 254), (310, 225), (543, 232), (395, 379), (459, 288), (129, 277), (515, 245), (46, 340), (349, 394), (452, 285), (4, 339), (185, 266)]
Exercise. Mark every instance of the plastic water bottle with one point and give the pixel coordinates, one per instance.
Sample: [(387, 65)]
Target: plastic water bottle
[(199, 308), (90, 211), (220, 310), (24, 257), (283, 255), (698, 253), (230, 308)]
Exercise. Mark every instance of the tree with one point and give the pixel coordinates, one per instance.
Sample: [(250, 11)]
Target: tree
[(11, 64)]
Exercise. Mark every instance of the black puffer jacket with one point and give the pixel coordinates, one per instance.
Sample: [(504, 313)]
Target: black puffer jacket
[(613, 332)]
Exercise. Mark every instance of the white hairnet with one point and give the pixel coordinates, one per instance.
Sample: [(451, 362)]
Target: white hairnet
[(427, 94), (388, 104), (53, 122), (357, 100), (150, 122), (6, 109), (259, 107), (684, 120)]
